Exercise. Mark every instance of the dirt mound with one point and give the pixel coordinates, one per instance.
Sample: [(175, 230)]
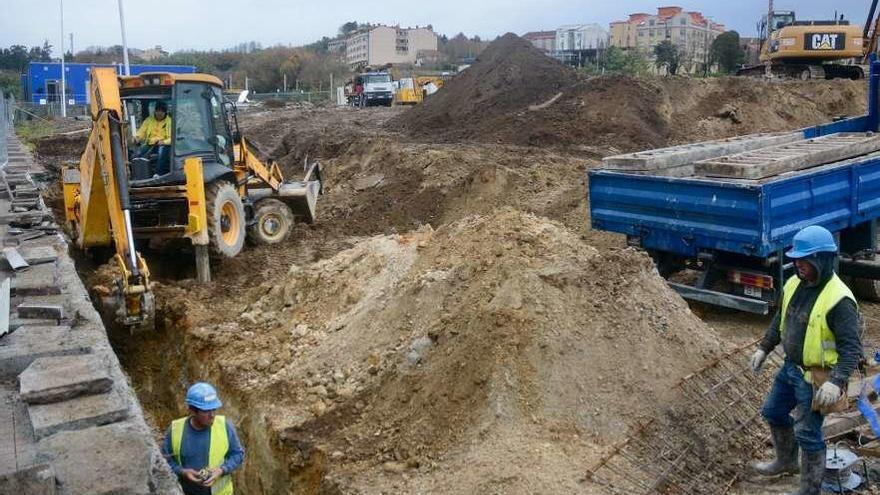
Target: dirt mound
[(509, 75), (515, 94), (463, 358)]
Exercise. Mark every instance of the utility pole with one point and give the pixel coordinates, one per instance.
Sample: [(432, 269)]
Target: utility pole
[(285, 82), (124, 42), (63, 75), (71, 45)]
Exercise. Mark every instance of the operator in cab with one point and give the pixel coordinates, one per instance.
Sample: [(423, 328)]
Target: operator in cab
[(155, 132)]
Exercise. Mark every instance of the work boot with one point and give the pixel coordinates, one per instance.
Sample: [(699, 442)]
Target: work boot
[(812, 472), (786, 461)]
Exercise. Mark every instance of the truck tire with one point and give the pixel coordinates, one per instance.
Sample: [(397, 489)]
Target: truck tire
[(273, 222), (865, 289), (226, 220)]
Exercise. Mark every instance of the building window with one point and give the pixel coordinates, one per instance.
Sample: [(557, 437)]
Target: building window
[(683, 32), (683, 21), (651, 22)]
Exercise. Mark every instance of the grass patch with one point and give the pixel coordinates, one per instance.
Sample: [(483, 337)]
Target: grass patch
[(32, 131)]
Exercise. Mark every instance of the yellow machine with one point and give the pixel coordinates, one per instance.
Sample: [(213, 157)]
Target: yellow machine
[(808, 49), (207, 185), (414, 90)]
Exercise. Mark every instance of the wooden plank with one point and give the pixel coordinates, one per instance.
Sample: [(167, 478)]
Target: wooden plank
[(840, 424), (724, 167)]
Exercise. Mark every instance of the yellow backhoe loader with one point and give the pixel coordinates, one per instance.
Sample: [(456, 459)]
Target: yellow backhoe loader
[(207, 185)]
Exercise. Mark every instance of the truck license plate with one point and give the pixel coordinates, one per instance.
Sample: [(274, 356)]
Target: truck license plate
[(752, 291)]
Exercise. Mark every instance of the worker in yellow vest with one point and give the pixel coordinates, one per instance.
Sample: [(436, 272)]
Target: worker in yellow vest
[(818, 327), (155, 135), (203, 448)]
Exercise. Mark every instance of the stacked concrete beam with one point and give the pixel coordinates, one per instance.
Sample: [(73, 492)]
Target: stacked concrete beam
[(78, 425)]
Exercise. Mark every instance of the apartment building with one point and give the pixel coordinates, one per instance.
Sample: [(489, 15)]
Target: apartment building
[(381, 45), (691, 31), (578, 37)]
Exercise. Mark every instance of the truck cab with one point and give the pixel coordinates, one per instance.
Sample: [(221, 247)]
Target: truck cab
[(377, 89)]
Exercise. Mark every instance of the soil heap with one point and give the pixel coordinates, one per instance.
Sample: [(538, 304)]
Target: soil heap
[(515, 94), (499, 353)]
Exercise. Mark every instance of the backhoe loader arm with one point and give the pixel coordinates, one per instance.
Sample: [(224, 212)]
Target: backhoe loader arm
[(98, 205)]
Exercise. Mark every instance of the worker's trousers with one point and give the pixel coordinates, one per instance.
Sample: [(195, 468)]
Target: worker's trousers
[(789, 404)]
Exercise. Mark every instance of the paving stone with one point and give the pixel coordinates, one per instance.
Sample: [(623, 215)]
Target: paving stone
[(39, 254), (36, 281), (35, 480), (77, 414), (40, 311), (82, 465), (29, 342), (53, 379)]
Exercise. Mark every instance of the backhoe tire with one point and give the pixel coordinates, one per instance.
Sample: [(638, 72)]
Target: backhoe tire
[(226, 220), (273, 222)]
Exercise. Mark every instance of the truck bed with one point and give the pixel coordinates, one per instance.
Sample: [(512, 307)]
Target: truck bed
[(677, 207)]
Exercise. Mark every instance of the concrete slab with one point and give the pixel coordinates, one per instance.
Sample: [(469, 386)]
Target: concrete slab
[(35, 480), (39, 254), (77, 414), (36, 281), (82, 465), (40, 311), (54, 379), (27, 343)]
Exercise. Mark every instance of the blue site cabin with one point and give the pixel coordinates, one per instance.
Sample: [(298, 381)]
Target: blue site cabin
[(732, 234), (42, 83)]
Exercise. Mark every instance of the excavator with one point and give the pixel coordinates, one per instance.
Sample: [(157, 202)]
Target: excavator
[(215, 187), (811, 49)]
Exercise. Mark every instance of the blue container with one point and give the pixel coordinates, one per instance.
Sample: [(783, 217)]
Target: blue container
[(42, 83)]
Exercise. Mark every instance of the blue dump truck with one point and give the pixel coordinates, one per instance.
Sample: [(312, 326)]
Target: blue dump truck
[(717, 216)]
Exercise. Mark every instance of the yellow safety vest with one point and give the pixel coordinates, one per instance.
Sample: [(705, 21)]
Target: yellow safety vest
[(155, 130), (820, 348), (219, 446)]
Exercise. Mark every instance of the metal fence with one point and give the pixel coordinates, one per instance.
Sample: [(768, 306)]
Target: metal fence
[(5, 128), (27, 110)]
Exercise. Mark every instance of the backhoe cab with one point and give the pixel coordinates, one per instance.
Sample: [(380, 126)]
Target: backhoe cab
[(206, 184)]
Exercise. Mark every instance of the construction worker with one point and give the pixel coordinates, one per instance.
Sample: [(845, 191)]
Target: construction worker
[(203, 448), (155, 132), (818, 326)]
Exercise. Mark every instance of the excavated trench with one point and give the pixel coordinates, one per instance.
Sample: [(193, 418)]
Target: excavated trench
[(162, 363)]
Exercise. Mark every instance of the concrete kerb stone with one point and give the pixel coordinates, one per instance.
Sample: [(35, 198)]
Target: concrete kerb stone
[(38, 479), (121, 457), (28, 343), (110, 459), (60, 378), (76, 414)]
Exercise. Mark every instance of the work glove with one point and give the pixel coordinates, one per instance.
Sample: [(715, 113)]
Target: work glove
[(758, 359), (827, 394)]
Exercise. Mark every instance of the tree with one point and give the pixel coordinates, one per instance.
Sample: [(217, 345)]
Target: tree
[(667, 54), (348, 28), (727, 52)]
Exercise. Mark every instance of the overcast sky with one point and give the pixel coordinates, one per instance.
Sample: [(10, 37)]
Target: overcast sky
[(218, 24)]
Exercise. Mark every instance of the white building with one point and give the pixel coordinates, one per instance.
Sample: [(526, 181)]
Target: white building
[(380, 45), (581, 37)]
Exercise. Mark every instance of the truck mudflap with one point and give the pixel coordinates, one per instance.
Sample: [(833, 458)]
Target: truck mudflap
[(722, 299)]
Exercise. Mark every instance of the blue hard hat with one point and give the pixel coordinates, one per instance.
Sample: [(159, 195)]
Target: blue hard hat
[(203, 396), (811, 240)]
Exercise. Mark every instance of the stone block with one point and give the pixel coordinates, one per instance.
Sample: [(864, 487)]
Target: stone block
[(40, 311), (37, 281), (78, 413), (27, 343), (102, 460), (34, 480), (39, 254), (53, 379)]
